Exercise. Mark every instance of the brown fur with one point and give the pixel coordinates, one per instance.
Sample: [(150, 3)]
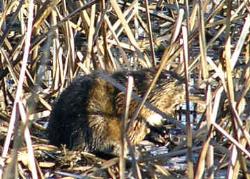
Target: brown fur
[(88, 114)]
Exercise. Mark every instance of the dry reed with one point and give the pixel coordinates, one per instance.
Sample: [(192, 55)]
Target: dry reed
[(44, 45)]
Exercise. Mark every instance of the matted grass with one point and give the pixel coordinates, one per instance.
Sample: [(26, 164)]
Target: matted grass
[(45, 45)]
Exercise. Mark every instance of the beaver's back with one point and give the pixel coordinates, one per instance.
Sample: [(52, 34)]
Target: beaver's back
[(88, 113)]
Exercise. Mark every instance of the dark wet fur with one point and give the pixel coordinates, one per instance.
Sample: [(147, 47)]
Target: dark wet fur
[(87, 114)]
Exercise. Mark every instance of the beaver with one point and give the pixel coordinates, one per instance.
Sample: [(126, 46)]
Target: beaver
[(88, 113)]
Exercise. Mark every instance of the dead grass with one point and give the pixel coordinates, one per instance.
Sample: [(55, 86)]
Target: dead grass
[(45, 45)]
